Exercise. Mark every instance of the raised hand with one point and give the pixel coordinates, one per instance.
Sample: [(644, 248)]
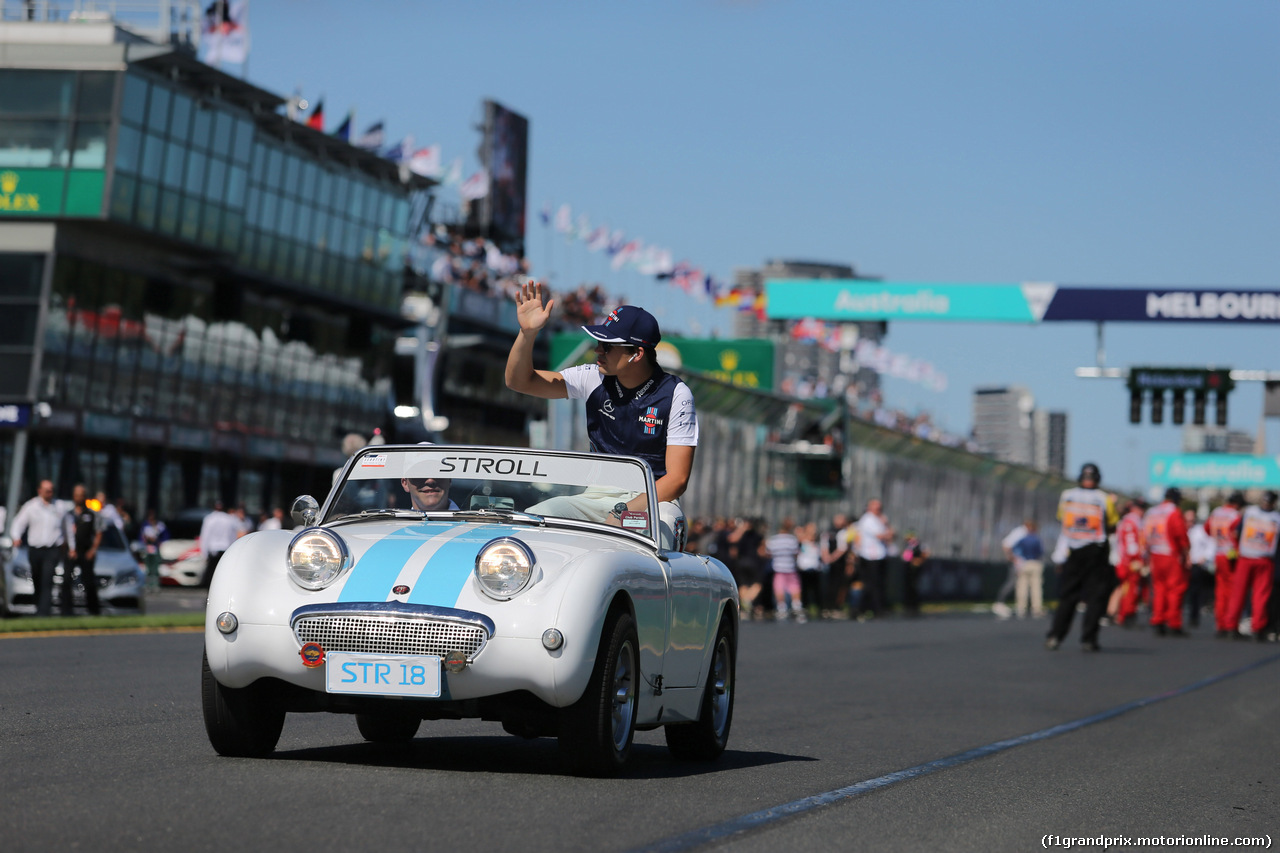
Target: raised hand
[(530, 311)]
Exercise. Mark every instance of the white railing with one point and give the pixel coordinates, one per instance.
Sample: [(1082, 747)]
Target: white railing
[(162, 21)]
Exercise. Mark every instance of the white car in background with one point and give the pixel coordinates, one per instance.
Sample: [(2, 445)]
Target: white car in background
[(521, 605)]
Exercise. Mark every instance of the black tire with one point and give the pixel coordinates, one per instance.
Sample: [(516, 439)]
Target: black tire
[(706, 739), (388, 728), (242, 722), (597, 731)]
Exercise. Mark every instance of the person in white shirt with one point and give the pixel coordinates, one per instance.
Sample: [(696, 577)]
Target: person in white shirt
[(217, 532), (1000, 606), (275, 521), (1203, 552), (46, 529), (874, 536)]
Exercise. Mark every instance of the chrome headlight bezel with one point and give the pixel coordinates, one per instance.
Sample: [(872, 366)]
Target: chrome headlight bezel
[(487, 572), (328, 559)]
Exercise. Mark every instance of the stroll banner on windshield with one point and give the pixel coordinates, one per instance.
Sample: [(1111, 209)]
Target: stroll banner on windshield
[(1012, 302)]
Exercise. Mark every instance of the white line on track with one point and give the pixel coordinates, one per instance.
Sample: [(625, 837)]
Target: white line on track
[(725, 830)]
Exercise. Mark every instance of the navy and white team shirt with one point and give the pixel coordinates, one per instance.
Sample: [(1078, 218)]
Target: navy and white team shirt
[(635, 422)]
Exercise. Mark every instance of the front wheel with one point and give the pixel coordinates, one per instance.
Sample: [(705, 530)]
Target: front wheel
[(706, 739), (244, 722), (596, 732), (388, 728)]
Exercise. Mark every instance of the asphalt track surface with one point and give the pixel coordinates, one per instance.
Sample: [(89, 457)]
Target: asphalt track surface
[(102, 747)]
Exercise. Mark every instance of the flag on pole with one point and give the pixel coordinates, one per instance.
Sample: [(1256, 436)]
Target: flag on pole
[(315, 121), (426, 162), (399, 152), (373, 138), (474, 187), (224, 33), (344, 130), (599, 239), (564, 219), (453, 177), (627, 254)]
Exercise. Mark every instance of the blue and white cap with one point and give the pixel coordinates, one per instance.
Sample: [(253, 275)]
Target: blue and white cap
[(627, 324)]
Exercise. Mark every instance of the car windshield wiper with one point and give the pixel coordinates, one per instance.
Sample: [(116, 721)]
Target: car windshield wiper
[(496, 512), (373, 513)]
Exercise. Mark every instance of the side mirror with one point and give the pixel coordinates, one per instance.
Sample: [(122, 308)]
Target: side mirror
[(305, 511)]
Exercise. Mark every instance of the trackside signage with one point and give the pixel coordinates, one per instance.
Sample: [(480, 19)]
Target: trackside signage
[(1014, 302), (1223, 470)]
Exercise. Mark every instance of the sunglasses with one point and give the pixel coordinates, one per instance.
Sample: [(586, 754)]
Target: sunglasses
[(605, 348), (421, 482)]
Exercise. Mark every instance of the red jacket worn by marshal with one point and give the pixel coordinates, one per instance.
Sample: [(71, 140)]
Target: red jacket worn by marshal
[(1223, 525), (1165, 531), (1129, 540)]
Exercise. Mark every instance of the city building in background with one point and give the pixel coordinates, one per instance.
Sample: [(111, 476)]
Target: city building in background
[(206, 294), (1215, 439), (1049, 434), (1002, 423), (1008, 426)]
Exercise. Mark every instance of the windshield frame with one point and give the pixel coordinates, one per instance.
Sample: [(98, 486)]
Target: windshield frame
[(650, 535)]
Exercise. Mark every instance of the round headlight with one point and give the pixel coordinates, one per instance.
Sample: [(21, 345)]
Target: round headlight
[(316, 558), (504, 567)]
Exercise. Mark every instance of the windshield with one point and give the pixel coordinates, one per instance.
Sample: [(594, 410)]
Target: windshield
[(439, 478)]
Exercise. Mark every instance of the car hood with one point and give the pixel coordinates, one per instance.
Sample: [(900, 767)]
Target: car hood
[(435, 559)]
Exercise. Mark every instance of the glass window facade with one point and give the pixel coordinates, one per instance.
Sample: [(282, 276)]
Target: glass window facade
[(202, 171), (221, 357), (55, 129)]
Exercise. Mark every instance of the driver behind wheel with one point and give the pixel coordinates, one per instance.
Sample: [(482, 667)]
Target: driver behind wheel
[(428, 494)]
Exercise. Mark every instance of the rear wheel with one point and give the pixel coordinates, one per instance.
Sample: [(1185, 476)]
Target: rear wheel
[(706, 739), (597, 731), (388, 728), (245, 722)]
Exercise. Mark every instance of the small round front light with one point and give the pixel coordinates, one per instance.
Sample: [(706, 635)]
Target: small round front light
[(316, 558), (552, 639), (227, 622), (504, 566)]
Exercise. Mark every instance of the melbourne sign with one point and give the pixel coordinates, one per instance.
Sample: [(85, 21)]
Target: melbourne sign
[(1223, 470), (1013, 302)]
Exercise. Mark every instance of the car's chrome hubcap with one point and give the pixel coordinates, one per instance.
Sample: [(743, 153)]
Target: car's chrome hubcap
[(623, 696)]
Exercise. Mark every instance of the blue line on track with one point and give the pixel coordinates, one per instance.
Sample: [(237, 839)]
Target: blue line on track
[(723, 831)]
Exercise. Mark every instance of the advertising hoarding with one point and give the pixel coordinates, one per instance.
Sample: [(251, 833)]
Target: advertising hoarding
[(506, 157), (1221, 470), (1014, 302)]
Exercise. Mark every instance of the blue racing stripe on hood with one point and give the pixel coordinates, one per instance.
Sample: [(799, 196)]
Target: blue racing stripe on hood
[(449, 569), (375, 573)]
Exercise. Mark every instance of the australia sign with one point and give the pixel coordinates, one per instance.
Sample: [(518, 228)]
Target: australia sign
[(1013, 302)]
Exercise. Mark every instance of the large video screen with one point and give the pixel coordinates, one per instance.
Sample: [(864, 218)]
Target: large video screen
[(507, 146)]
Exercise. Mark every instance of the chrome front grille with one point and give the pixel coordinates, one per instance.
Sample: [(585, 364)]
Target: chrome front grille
[(390, 634)]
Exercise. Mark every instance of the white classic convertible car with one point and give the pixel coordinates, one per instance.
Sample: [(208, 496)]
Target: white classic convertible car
[(541, 589)]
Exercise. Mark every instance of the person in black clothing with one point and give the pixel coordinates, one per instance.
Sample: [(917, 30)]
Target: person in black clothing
[(82, 555)]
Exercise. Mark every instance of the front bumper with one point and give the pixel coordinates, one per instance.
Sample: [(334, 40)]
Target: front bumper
[(499, 665)]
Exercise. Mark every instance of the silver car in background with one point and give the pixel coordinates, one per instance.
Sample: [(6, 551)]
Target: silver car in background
[(121, 580)]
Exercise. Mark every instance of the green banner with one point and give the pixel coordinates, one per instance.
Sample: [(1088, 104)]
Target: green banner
[(744, 362), (51, 192)]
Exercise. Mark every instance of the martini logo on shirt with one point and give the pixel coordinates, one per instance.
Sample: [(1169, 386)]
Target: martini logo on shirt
[(651, 420)]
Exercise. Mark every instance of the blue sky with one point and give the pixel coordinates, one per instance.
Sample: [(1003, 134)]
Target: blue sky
[(1123, 143)]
